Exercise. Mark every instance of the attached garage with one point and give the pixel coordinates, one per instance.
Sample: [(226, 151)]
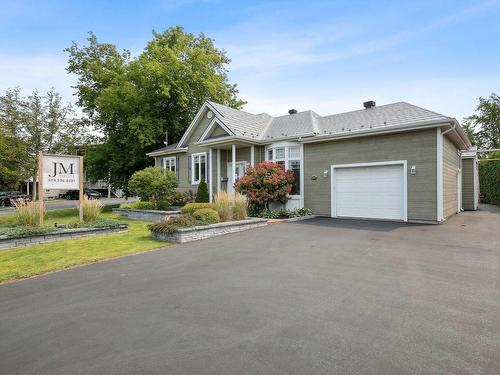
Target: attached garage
[(370, 190)]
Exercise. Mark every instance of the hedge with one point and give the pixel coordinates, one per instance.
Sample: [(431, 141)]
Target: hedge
[(489, 181)]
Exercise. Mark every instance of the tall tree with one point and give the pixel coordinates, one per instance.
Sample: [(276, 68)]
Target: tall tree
[(50, 127), (13, 148), (484, 125), (32, 124), (133, 101)]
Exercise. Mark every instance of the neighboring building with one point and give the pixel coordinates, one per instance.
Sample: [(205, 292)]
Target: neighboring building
[(394, 162)]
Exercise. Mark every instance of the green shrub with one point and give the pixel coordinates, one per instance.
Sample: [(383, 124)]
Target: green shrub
[(170, 225), (164, 205), (206, 216), (139, 205), (283, 214), (25, 231), (202, 193), (152, 183), (190, 208), (178, 199), (489, 181), (99, 223)]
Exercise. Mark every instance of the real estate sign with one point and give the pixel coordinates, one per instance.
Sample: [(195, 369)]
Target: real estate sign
[(61, 172)]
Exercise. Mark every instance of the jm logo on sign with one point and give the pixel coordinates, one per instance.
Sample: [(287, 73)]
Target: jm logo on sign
[(61, 168)]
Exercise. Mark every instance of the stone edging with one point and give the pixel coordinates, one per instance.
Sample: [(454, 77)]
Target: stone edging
[(60, 235), (291, 219), (206, 231), (146, 215)]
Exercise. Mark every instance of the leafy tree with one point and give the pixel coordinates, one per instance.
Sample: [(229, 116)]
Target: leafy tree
[(36, 123), (484, 126), (133, 101), (266, 182), (152, 184), (13, 149), (202, 193)]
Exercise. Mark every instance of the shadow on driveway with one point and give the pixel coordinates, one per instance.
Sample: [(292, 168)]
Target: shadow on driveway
[(370, 225)]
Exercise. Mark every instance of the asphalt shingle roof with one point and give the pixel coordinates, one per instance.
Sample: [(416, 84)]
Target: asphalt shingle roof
[(265, 127)]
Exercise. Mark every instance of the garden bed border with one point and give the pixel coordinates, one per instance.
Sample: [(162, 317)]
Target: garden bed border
[(60, 235), (202, 232), (147, 215), (291, 219)]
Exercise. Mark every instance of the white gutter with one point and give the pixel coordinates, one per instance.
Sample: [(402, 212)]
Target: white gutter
[(449, 130), (364, 132), (167, 152)]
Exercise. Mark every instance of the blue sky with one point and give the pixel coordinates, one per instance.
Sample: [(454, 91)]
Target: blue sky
[(328, 56)]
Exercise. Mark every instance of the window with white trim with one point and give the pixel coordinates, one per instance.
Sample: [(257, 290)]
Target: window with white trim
[(289, 158), (169, 164), (198, 167)]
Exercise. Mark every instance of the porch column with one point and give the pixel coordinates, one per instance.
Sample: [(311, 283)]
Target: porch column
[(218, 170), (233, 167), (252, 155), (210, 174)]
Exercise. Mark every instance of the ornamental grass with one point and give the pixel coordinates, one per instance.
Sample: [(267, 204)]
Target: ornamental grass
[(27, 213), (240, 206), (91, 209), (222, 204)]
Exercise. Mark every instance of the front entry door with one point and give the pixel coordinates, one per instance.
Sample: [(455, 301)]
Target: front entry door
[(240, 171)]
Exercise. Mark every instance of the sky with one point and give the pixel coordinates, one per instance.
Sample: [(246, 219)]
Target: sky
[(328, 56)]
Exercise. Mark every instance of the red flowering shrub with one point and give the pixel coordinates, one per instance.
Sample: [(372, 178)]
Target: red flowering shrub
[(264, 183)]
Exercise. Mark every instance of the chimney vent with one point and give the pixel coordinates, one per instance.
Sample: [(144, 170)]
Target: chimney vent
[(369, 104), (292, 111)]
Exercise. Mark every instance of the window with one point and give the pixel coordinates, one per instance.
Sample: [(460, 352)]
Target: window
[(169, 164), (289, 158), (198, 167)]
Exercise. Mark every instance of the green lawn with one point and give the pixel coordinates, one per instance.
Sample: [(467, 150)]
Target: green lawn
[(38, 259)]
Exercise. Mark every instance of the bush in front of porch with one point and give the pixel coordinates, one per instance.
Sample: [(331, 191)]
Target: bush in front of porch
[(265, 183)]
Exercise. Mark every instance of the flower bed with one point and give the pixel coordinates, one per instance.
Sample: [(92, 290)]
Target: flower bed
[(16, 238), (200, 232), (146, 215)]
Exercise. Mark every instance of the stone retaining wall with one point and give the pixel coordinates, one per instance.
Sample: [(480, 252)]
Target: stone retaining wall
[(145, 215), (207, 231), (64, 234)]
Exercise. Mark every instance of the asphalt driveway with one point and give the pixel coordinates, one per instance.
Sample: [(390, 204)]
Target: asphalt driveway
[(317, 297)]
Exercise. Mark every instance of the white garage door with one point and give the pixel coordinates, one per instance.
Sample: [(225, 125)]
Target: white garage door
[(369, 191)]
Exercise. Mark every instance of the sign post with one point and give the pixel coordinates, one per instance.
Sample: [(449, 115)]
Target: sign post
[(80, 195), (62, 172), (40, 187)]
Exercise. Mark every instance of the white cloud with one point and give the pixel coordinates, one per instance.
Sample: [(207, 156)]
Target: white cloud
[(36, 72), (455, 97)]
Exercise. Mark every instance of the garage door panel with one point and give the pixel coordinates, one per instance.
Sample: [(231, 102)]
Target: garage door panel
[(370, 192)]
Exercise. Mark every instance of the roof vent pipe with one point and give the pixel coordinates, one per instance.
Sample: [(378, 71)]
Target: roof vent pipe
[(369, 104), (292, 111)]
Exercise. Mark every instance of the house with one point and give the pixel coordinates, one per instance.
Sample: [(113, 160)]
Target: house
[(393, 162)]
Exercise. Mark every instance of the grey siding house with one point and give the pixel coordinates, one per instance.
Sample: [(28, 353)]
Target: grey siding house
[(391, 162)]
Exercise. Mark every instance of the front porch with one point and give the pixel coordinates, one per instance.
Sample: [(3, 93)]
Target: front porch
[(228, 161)]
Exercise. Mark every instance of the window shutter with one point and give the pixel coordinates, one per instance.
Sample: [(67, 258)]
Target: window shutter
[(189, 169), (177, 167)]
